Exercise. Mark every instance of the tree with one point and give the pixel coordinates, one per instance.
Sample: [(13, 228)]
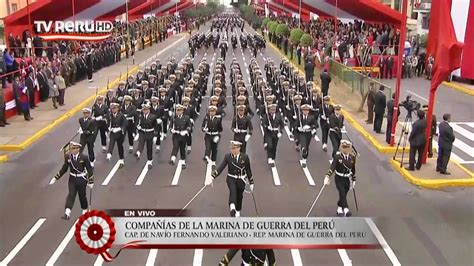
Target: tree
[(306, 40), (283, 30), (272, 27), (265, 21), (295, 35)]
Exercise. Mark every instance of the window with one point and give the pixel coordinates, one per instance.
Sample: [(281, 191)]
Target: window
[(14, 7), (425, 23)]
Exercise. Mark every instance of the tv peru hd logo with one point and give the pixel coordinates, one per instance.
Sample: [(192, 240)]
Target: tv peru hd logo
[(87, 30)]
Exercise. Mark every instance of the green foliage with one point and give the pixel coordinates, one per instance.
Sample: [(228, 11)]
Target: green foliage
[(306, 40), (282, 30), (272, 27), (202, 11), (265, 21), (295, 35)]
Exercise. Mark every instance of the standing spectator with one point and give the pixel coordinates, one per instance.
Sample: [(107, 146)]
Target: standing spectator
[(38, 45), (53, 90), (445, 145), (22, 96), (325, 80), (370, 104), (8, 58), (381, 66), (61, 84), (298, 54), (90, 62), (309, 69), (390, 105), (388, 67), (379, 109), (291, 50), (31, 87), (434, 125), (43, 84), (417, 141)]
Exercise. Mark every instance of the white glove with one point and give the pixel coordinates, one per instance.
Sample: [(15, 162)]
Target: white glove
[(300, 129), (269, 127), (247, 137), (91, 185), (192, 120), (353, 184), (80, 131), (236, 130), (294, 117), (208, 182), (251, 187), (288, 107), (170, 113), (183, 133), (313, 131), (159, 121), (306, 127), (205, 129), (279, 135), (343, 129), (53, 181), (327, 181), (216, 139)]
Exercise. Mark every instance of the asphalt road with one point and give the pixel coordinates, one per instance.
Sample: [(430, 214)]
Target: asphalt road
[(421, 227)]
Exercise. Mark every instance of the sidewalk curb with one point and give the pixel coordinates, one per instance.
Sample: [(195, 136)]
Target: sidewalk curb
[(381, 148), (459, 88), (25, 144), (432, 183)]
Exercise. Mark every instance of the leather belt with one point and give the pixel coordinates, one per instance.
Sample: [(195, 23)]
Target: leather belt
[(78, 175), (343, 175), (238, 176), (212, 133)]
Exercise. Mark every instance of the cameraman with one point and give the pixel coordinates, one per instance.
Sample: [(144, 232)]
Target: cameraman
[(417, 141)]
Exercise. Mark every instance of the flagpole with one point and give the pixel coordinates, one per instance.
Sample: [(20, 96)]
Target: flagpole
[(401, 48)]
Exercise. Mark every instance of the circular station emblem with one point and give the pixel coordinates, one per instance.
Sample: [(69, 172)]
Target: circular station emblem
[(95, 232)]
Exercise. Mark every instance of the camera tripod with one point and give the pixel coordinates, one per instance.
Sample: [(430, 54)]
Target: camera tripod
[(403, 137)]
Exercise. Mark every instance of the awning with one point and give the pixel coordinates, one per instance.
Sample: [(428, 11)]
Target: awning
[(113, 13)]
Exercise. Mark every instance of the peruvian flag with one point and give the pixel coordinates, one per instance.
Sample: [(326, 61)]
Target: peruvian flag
[(446, 51)]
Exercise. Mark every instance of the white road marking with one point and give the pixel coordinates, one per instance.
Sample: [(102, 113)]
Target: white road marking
[(288, 133), (197, 261), (111, 174), (62, 245), (276, 177), (99, 261), (150, 261), (346, 261), (464, 147), (471, 124), (421, 97), (177, 173), (142, 175), (308, 175), (208, 177), (23, 242), (295, 255), (462, 131), (316, 138), (247, 71), (382, 242)]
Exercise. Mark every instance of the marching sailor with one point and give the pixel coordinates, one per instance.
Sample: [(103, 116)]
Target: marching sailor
[(242, 127), (117, 126), (326, 110), (306, 130), (88, 131), (212, 128), (100, 112), (272, 126), (336, 128), (343, 166), (131, 115), (238, 169), (180, 127), (253, 257), (81, 174), (147, 129), (159, 112)]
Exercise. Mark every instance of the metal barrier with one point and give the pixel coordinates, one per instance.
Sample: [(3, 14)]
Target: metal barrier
[(357, 81)]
